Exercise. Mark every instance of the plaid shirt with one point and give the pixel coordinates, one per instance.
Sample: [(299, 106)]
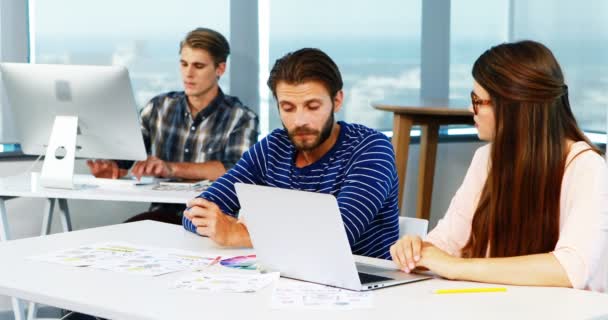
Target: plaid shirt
[(222, 131)]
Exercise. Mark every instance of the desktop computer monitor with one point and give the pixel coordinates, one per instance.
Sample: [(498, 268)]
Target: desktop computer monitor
[(69, 111)]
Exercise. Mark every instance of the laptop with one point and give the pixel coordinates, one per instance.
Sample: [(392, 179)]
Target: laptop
[(301, 235)]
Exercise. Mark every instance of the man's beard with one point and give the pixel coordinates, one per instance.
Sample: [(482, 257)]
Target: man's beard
[(322, 136)]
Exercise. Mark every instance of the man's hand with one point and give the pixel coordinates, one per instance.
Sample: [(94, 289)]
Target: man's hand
[(211, 222), (152, 166), (105, 169)]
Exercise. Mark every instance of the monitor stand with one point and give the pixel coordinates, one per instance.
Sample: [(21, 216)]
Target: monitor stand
[(58, 166)]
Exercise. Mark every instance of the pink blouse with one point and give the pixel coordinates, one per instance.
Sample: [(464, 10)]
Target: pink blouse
[(582, 248)]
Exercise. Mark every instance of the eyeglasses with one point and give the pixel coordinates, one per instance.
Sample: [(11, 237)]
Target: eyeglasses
[(477, 102)]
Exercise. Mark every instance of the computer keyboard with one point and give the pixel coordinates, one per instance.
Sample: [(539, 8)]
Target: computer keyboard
[(87, 179), (368, 268), (371, 278)]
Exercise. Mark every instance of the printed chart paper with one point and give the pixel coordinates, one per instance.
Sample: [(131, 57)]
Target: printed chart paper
[(303, 295), (226, 282), (129, 258)]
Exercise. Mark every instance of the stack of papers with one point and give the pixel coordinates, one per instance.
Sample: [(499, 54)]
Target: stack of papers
[(247, 282), (303, 295), (183, 186), (129, 258)]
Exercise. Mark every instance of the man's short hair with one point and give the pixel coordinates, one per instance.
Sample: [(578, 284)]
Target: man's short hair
[(307, 64), (208, 40)]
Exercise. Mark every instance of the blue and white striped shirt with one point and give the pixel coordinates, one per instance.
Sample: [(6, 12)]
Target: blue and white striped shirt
[(359, 171)]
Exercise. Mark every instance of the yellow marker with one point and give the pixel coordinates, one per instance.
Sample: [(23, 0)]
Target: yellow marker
[(470, 290)]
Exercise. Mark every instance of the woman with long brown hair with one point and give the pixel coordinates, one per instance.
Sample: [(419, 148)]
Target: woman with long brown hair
[(533, 206)]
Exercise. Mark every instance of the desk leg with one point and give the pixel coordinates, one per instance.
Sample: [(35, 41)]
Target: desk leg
[(402, 126), (4, 232), (65, 215), (18, 310), (426, 167), (47, 219), (47, 222), (32, 311)]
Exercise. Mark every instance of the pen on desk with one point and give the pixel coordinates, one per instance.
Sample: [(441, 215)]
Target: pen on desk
[(470, 290), (215, 261), (210, 264)]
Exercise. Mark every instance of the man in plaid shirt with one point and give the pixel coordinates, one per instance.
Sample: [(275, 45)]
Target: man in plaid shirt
[(195, 134)]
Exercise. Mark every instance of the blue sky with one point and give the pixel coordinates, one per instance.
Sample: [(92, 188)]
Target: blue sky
[(361, 18), (128, 17)]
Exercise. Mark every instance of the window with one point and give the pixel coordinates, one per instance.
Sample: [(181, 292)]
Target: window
[(376, 45), (577, 33), (475, 27), (142, 35)]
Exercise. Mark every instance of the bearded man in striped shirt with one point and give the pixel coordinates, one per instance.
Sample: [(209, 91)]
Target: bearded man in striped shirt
[(314, 153)]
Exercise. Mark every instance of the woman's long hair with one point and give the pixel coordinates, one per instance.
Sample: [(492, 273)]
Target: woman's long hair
[(519, 207)]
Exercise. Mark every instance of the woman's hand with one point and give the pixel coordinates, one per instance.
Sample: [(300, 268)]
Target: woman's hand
[(440, 262), (411, 252), (406, 252)]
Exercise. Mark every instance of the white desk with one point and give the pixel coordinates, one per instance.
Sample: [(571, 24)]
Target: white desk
[(21, 186), (120, 296)]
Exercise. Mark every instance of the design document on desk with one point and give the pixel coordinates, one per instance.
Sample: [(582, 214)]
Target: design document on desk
[(129, 258), (302, 295), (245, 282)]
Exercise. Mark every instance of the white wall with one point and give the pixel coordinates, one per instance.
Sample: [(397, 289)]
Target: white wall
[(453, 160)]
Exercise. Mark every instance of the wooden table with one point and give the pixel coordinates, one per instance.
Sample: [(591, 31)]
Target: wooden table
[(429, 114)]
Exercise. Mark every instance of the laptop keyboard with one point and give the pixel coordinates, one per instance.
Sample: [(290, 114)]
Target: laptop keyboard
[(368, 268), (370, 278)]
